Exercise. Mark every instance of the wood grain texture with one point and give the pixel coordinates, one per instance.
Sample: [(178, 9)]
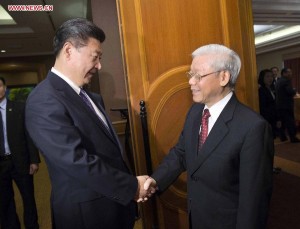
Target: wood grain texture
[(158, 38)]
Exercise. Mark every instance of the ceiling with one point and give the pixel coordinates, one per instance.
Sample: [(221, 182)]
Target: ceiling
[(276, 12), (272, 16), (33, 33)]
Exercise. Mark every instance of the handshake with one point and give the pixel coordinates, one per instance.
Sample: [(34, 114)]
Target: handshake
[(146, 188)]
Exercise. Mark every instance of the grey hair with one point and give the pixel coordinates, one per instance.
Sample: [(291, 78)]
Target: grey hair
[(224, 59)]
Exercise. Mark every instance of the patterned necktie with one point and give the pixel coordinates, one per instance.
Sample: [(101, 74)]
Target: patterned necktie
[(86, 100), (204, 128), (2, 148)]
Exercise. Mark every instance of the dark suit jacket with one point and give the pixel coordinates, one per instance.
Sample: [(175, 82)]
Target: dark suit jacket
[(267, 105), (21, 146), (230, 181), (90, 180), (285, 94)]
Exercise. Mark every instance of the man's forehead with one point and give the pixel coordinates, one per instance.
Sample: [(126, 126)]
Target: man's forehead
[(201, 62)]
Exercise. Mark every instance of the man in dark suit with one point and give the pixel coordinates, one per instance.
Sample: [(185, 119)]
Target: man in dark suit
[(267, 102), (229, 157), (92, 187), (19, 160), (285, 105), (276, 77)]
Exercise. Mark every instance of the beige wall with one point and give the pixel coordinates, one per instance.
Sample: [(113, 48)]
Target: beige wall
[(20, 78), (25, 70), (276, 58), (111, 76)]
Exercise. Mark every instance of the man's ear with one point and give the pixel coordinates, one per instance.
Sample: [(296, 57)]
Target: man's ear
[(67, 50), (224, 78)]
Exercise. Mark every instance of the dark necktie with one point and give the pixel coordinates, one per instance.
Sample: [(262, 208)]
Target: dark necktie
[(2, 148), (86, 100), (204, 128)]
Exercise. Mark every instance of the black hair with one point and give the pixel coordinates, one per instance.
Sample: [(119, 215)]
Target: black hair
[(284, 70), (77, 31), (262, 76), (3, 80)]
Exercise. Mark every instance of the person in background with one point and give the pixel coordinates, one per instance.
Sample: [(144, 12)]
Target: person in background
[(92, 186), (285, 105), (267, 100), (276, 76), (19, 161), (226, 148)]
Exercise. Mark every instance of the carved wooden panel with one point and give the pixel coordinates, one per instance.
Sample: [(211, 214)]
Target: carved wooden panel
[(158, 37)]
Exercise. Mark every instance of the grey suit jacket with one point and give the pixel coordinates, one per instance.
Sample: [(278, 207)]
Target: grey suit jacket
[(230, 181)]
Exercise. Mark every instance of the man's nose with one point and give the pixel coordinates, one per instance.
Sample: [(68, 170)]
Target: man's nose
[(192, 81), (98, 65)]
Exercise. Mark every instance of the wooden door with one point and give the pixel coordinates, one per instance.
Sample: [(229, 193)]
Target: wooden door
[(158, 37)]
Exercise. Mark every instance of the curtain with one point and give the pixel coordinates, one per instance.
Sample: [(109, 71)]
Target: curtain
[(294, 65)]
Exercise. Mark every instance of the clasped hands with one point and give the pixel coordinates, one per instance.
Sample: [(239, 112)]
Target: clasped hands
[(146, 188)]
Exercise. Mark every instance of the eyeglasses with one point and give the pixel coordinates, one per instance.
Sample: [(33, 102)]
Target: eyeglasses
[(197, 76)]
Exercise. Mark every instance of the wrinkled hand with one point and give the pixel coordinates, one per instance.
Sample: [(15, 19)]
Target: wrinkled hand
[(143, 194), (33, 168), (150, 185)]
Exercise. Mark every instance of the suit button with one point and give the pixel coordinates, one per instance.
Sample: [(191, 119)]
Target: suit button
[(195, 178)]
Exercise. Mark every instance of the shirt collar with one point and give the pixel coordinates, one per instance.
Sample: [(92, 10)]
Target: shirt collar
[(65, 78), (3, 104), (216, 109)]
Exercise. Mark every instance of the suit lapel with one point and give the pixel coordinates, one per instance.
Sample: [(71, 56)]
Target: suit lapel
[(9, 114), (112, 132), (66, 91), (216, 135), (195, 132)]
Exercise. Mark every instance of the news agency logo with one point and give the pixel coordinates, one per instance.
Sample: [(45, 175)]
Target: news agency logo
[(30, 7)]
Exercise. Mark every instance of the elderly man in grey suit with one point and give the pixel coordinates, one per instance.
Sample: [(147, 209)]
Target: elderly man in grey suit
[(92, 187), (225, 147)]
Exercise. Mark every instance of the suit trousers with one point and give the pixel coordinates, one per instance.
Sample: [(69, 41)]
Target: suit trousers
[(288, 121), (94, 215), (8, 216)]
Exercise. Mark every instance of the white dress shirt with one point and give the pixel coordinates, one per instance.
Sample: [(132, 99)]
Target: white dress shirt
[(216, 109), (77, 90), (3, 113)]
